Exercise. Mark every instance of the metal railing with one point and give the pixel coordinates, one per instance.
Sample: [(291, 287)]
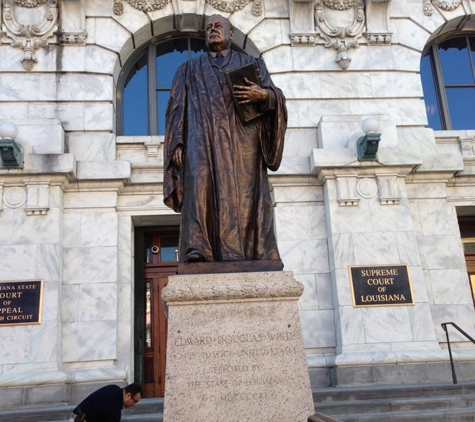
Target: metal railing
[(444, 327)]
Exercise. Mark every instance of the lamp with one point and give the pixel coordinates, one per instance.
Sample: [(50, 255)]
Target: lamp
[(367, 146), (11, 152)]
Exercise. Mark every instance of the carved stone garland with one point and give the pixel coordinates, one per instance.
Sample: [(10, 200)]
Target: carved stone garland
[(445, 5), (221, 5), (339, 37), (29, 37), (236, 5), (30, 3), (143, 5)]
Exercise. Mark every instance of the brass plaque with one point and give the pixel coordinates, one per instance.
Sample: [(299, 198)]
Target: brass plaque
[(381, 285), (21, 302)]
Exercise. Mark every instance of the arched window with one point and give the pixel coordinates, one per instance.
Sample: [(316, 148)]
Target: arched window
[(448, 80), (145, 83)]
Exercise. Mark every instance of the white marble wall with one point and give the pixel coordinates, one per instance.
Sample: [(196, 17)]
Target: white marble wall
[(30, 249), (97, 184), (445, 276), (302, 235), (90, 275), (375, 234)]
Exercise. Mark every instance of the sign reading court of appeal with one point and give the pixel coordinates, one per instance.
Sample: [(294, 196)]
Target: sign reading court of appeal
[(381, 285), (21, 302)]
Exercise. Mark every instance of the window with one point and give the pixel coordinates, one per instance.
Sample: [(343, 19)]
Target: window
[(145, 84), (448, 80)]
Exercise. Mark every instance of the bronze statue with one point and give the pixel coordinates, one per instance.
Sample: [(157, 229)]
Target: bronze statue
[(216, 166)]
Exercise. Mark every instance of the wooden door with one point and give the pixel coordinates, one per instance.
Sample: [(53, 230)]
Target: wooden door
[(160, 253), (467, 231)]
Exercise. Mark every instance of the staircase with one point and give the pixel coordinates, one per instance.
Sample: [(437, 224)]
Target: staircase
[(443, 402), (146, 410), (424, 402)]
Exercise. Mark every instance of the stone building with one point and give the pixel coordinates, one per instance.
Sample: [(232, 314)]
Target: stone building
[(86, 85)]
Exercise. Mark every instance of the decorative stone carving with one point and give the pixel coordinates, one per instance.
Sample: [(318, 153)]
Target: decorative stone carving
[(302, 23), (14, 197), (29, 37), (73, 38), (467, 145), (298, 38), (347, 192), (232, 289), (340, 23), (221, 5), (72, 18), (366, 188), (235, 5), (143, 5), (37, 199), (389, 193), (444, 5), (377, 22), (152, 151), (30, 3)]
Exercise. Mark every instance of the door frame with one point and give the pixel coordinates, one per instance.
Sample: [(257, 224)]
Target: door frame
[(139, 293), (467, 233)]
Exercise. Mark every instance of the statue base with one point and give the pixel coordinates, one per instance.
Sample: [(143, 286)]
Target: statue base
[(235, 349), (230, 267)]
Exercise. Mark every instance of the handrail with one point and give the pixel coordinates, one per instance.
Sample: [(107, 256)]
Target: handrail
[(444, 327)]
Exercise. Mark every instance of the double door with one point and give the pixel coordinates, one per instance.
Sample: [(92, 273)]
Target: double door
[(158, 256)]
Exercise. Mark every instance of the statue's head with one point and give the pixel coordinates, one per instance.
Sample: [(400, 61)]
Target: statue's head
[(219, 33)]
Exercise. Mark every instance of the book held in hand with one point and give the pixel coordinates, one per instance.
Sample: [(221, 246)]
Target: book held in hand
[(249, 111)]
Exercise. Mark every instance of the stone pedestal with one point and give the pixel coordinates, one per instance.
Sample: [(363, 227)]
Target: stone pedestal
[(235, 349)]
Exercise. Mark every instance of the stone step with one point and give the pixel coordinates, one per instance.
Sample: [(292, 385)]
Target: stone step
[(318, 417), (442, 402), (146, 410), (50, 414), (424, 402), (397, 405), (447, 415), (331, 394), (154, 405), (155, 417)]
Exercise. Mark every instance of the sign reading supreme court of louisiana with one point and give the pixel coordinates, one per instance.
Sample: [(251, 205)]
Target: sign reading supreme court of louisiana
[(21, 302), (381, 285)]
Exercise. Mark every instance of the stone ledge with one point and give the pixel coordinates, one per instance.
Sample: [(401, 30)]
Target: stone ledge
[(100, 170), (418, 373), (231, 286)]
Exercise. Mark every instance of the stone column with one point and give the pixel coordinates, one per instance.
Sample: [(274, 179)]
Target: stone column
[(372, 222)]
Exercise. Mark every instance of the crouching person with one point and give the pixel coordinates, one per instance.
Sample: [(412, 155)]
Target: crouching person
[(105, 404)]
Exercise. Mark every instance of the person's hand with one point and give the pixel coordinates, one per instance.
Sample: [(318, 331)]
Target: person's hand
[(177, 156), (252, 93)]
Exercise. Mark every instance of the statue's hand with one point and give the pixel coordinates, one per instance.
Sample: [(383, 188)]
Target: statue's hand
[(177, 156), (252, 93)]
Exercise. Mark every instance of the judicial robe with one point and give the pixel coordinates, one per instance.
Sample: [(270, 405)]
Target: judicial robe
[(222, 191)]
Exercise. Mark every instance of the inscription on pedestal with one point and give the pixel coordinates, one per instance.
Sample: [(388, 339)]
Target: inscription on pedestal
[(240, 360), (235, 349), (230, 364)]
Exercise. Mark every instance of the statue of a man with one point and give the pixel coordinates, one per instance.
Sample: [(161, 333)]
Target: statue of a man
[(216, 166)]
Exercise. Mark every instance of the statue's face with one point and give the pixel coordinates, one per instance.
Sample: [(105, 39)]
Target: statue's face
[(218, 33)]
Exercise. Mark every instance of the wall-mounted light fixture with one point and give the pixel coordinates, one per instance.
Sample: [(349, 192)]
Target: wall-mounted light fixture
[(11, 153), (367, 146)]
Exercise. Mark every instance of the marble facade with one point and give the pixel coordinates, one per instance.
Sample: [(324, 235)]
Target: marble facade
[(68, 216)]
